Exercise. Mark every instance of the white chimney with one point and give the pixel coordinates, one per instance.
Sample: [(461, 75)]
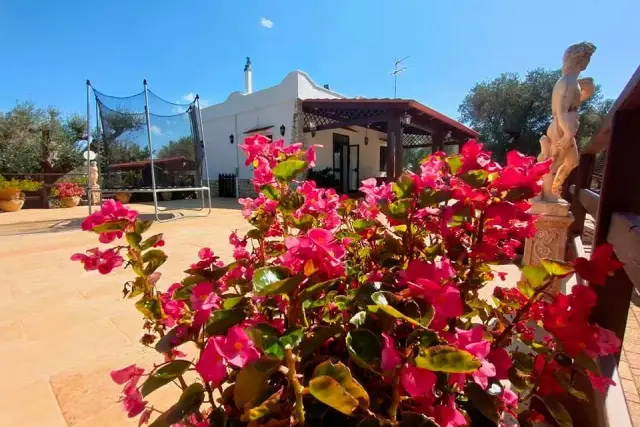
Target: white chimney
[(248, 83)]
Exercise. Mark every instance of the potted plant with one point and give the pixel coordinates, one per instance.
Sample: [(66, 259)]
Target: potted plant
[(11, 193), (69, 193), (364, 312), (123, 196)]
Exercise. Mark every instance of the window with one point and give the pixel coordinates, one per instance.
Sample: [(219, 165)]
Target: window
[(383, 158)]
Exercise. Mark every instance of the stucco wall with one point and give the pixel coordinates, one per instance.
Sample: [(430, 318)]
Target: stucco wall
[(369, 154)]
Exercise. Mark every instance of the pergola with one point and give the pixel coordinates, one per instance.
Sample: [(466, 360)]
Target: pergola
[(405, 120)]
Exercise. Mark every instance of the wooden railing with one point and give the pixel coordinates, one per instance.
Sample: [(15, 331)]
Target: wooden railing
[(615, 206)]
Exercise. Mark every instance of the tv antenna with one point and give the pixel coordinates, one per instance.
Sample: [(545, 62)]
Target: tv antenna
[(397, 69)]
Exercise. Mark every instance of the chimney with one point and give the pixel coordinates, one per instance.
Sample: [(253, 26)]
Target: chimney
[(326, 87), (248, 84)]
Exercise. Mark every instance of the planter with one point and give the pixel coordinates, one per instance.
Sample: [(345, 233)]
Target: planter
[(123, 197), (14, 204), (10, 194), (70, 202)]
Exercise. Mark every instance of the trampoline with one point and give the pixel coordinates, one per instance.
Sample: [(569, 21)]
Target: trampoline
[(146, 145)]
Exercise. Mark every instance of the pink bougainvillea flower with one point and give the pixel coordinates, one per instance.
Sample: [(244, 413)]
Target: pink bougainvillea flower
[(133, 403), (254, 146), (144, 418), (311, 155), (439, 270), (263, 174), (600, 382), (417, 381), (212, 366), (203, 297), (237, 348), (445, 300), (448, 415), (103, 261), (390, 356), (111, 211), (110, 236), (501, 359), (509, 400), (599, 267), (124, 375)]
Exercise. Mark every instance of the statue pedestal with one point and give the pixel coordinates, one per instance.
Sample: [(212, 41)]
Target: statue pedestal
[(550, 241), (95, 196)]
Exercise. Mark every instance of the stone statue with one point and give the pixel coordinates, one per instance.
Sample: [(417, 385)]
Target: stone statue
[(95, 197), (559, 143)]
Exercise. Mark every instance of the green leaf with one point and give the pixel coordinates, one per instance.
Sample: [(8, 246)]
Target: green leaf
[(361, 225), (331, 393), (431, 198), (133, 239), (382, 305), (364, 293), (254, 233), (292, 337), (403, 187), (524, 288), (308, 346), (518, 381), (252, 381), (399, 208), (272, 404), (454, 162), (189, 403), (305, 222), (164, 375), (428, 313), (174, 338), (185, 291), (218, 417), (287, 170), (148, 243), (222, 320), (342, 376), (359, 318), (210, 274), (445, 358), (558, 411), (234, 302), (482, 401), (269, 191), (364, 347), (522, 361), (266, 338), (274, 281), (587, 363), (151, 308), (535, 275), (310, 291), (110, 226), (557, 268), (142, 226), (154, 259), (475, 178)]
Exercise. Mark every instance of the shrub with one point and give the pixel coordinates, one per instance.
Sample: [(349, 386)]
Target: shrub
[(19, 184), (362, 312), (68, 189)]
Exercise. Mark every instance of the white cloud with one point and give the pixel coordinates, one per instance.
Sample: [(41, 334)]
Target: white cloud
[(267, 23), (156, 130), (191, 96)]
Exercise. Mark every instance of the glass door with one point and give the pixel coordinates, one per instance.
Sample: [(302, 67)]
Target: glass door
[(354, 168)]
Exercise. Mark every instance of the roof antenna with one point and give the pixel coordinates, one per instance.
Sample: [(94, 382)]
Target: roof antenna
[(397, 70)]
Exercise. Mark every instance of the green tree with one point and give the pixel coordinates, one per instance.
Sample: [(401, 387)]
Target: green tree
[(511, 112), (183, 147), (28, 135)]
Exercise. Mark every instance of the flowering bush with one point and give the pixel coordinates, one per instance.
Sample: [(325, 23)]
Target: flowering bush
[(68, 189), (362, 312)]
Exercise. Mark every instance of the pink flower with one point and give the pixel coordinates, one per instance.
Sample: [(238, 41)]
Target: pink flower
[(144, 418), (311, 155), (110, 211), (600, 383), (445, 300), (109, 236), (254, 146), (237, 348), (133, 403), (124, 375), (447, 414), (439, 270), (103, 261), (417, 381), (203, 297), (390, 356), (501, 359), (212, 367), (509, 399)]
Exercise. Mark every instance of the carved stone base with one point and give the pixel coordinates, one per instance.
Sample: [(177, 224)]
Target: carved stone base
[(95, 196), (550, 240)]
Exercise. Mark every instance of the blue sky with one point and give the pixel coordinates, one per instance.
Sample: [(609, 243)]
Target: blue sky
[(49, 49)]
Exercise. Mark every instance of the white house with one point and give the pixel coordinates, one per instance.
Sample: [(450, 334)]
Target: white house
[(353, 131)]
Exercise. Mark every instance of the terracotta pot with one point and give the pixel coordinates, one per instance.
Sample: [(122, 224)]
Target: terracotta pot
[(123, 197), (10, 193), (70, 202), (12, 205)]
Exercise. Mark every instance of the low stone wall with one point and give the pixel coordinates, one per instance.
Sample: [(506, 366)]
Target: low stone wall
[(245, 188)]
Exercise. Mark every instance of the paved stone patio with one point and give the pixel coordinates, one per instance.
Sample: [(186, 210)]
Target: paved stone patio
[(62, 330)]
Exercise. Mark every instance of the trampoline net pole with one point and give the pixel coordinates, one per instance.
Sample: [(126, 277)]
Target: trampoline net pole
[(89, 187), (153, 172)]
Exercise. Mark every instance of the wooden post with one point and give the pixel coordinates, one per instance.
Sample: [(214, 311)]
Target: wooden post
[(399, 149), (392, 122), (582, 180), (438, 140)]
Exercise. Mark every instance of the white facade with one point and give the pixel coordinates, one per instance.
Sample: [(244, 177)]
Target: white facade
[(239, 113)]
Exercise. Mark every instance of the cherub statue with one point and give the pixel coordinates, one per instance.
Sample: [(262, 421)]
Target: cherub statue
[(559, 143)]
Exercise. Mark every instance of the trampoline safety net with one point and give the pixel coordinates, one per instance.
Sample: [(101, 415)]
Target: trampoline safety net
[(127, 148)]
